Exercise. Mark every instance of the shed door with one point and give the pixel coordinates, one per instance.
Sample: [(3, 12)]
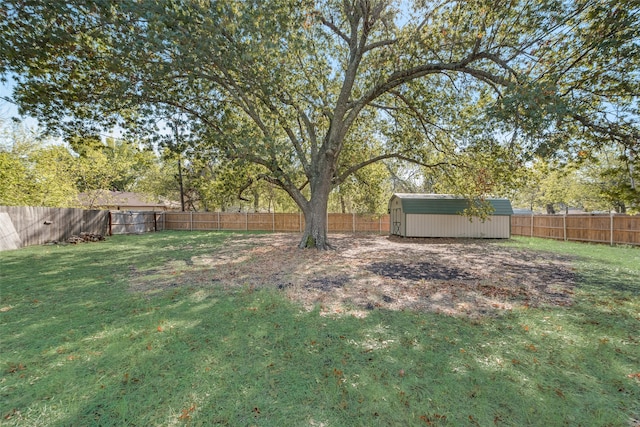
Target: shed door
[(396, 221)]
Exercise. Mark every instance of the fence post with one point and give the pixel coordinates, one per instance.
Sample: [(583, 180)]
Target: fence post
[(190, 220), (273, 221), (532, 224), (300, 221), (611, 229), (353, 222), (564, 226), (246, 221)]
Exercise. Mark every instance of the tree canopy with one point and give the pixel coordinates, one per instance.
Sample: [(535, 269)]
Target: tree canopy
[(313, 92), (36, 171)]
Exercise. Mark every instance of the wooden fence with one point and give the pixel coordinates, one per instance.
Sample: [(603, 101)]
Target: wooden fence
[(25, 226), (22, 226), (602, 228), (278, 222), (129, 222)]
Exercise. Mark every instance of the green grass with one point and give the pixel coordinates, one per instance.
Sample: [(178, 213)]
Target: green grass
[(79, 348)]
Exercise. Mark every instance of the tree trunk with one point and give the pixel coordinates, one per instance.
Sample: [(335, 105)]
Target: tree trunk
[(180, 182), (320, 183), (315, 217), (315, 227), (256, 200)]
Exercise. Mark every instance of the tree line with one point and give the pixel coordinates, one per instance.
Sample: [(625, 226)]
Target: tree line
[(34, 171)]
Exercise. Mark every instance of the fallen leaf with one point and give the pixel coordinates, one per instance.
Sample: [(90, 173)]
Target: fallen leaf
[(11, 414), (15, 368), (185, 415)]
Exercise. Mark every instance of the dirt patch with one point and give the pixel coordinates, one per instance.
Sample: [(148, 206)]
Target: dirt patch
[(418, 271), (455, 277)]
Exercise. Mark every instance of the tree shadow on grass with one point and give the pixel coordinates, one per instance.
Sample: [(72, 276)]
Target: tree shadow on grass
[(419, 271), (245, 356), (603, 280)]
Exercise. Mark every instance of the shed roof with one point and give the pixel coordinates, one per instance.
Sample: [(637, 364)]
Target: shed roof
[(447, 204)]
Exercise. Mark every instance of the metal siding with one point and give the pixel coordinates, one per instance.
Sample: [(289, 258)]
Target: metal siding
[(501, 207), (444, 204), (434, 206), (419, 225), (403, 226)]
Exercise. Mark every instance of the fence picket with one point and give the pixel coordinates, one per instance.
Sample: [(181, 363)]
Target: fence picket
[(597, 228), (281, 222)]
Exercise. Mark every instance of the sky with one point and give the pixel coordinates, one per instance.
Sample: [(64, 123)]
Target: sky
[(9, 110)]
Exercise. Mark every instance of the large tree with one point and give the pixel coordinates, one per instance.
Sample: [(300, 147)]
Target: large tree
[(33, 171), (291, 84)]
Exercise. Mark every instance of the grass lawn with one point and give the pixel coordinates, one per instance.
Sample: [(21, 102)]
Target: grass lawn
[(79, 347)]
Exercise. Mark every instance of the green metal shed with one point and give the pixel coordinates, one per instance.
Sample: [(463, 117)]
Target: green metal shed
[(440, 215)]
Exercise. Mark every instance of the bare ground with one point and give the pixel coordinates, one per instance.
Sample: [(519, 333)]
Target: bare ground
[(456, 277)]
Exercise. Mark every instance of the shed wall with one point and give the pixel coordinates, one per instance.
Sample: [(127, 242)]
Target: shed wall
[(420, 225)]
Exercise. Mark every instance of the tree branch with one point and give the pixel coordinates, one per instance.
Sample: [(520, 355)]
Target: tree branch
[(335, 29), (378, 44), (400, 77), (243, 188), (421, 119), (613, 131), (340, 179)]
